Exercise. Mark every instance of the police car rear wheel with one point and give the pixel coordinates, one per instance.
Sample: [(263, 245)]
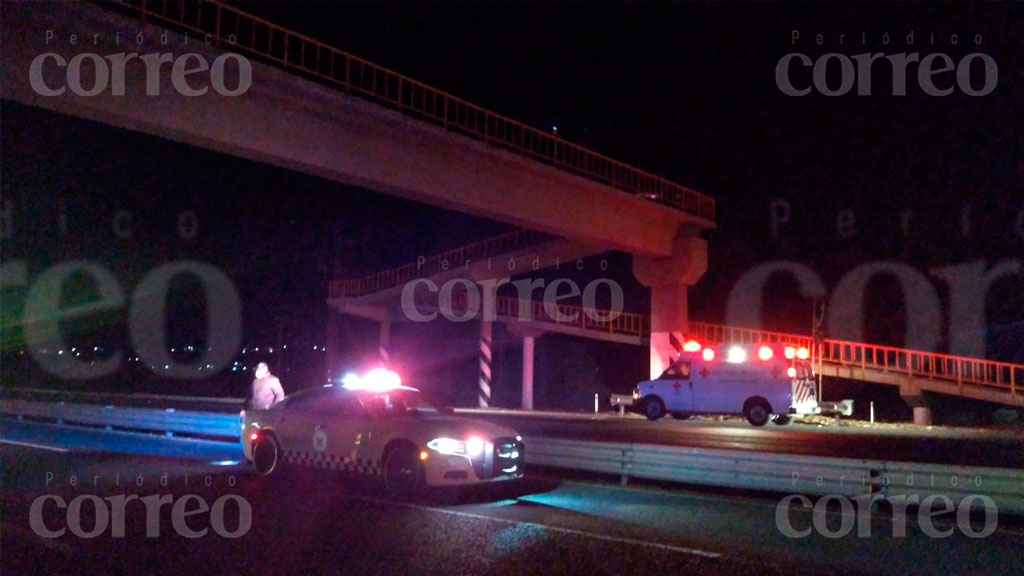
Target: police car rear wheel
[(654, 408), (266, 456), (403, 472), (757, 412)]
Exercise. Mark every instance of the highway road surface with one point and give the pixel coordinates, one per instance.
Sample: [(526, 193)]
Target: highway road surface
[(309, 522)]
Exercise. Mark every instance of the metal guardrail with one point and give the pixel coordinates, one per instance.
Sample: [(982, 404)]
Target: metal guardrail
[(956, 370), (297, 53), (787, 473), (742, 469), (449, 260), (168, 421)]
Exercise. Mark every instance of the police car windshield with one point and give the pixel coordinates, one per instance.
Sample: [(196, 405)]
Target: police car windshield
[(400, 403)]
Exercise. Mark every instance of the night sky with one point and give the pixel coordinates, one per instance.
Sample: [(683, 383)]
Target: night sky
[(686, 91)]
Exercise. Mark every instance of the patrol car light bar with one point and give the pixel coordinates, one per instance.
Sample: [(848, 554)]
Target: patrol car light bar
[(376, 380)]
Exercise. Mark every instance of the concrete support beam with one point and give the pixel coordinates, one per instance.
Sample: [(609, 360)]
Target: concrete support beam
[(914, 397), (528, 373), (289, 122), (529, 335), (668, 279)]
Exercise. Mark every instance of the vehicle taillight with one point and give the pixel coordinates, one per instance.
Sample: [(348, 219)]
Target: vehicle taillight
[(765, 353), (708, 354), (254, 436), (791, 372)]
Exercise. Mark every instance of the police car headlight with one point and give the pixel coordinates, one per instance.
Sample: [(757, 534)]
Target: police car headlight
[(472, 447)]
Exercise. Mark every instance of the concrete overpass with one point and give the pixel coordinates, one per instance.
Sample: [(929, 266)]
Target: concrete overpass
[(318, 110)]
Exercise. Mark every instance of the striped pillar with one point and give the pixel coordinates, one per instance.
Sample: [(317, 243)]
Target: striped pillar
[(486, 357)]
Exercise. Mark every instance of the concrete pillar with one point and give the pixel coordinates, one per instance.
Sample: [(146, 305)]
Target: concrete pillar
[(529, 334), (922, 416), (669, 324), (668, 279), (914, 397), (528, 373)]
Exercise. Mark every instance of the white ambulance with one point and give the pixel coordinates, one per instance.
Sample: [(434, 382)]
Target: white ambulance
[(761, 382)]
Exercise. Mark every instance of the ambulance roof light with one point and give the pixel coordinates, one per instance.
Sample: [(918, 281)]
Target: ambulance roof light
[(790, 352), (692, 346), (765, 353), (802, 353), (736, 355), (708, 354)]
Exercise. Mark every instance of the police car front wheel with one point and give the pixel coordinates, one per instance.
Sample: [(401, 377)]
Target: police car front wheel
[(266, 455)]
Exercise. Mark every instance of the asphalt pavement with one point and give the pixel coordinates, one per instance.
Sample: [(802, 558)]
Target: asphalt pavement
[(310, 522)]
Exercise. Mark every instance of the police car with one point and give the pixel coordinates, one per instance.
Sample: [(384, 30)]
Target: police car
[(766, 382), (376, 427)]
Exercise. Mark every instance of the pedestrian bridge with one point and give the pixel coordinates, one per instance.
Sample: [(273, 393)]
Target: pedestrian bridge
[(913, 371)]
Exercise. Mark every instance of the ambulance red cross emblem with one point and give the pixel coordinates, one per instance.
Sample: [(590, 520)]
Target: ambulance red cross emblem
[(677, 385)]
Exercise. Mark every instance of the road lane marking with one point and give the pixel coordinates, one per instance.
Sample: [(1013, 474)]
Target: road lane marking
[(558, 529), (33, 445)]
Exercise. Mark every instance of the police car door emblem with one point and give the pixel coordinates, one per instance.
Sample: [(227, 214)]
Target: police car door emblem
[(319, 439)]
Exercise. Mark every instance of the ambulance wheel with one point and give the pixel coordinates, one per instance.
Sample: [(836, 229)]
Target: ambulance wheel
[(403, 471), (266, 455), (654, 408), (782, 419), (757, 411)]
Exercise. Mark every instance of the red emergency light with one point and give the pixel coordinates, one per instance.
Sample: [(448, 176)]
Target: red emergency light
[(708, 354)]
